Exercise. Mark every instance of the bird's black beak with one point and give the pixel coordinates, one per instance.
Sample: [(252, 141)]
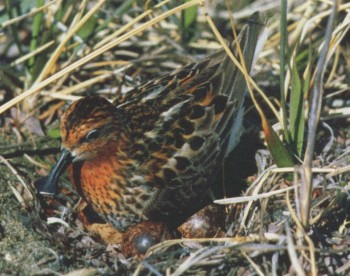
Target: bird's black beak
[(49, 184)]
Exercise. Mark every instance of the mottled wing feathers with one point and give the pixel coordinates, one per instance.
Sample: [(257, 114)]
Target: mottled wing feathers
[(181, 126)]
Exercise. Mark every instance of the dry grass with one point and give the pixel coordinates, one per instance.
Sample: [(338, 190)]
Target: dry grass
[(287, 220)]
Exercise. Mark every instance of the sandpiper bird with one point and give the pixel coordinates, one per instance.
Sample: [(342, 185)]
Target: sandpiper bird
[(153, 154)]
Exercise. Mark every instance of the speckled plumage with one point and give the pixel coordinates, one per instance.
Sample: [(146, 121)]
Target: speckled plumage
[(153, 153)]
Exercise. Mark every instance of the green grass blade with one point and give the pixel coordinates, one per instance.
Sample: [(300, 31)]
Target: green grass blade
[(188, 22), (35, 33), (189, 16), (278, 150), (296, 116)]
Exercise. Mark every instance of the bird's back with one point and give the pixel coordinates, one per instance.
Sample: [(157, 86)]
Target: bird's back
[(181, 126)]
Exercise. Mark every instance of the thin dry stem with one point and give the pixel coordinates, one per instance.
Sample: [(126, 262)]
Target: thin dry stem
[(300, 229), (314, 115), (29, 14)]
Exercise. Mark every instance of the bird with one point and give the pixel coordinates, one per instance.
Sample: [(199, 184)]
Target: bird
[(154, 152)]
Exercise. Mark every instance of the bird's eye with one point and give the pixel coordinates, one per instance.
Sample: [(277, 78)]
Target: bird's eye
[(92, 135)]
